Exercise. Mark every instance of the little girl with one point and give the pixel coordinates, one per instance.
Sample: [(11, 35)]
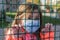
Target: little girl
[(27, 24)]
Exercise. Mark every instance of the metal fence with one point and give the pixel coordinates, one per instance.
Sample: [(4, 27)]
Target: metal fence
[(50, 14)]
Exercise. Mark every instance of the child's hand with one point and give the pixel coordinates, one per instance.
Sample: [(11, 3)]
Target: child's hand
[(48, 28)]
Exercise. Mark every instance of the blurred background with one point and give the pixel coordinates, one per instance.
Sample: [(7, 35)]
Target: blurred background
[(50, 13)]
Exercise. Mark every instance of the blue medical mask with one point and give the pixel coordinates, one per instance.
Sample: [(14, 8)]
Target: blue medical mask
[(31, 25)]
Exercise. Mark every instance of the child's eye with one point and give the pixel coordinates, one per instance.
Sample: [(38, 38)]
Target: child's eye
[(30, 18), (36, 18)]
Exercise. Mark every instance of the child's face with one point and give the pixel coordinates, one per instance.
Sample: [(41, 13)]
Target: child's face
[(32, 21)]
